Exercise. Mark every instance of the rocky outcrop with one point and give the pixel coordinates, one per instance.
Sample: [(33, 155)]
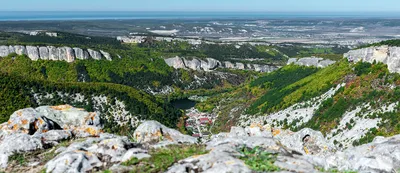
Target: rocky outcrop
[(53, 53), (302, 151), (155, 132), (210, 64), (307, 150), (385, 54), (311, 61)]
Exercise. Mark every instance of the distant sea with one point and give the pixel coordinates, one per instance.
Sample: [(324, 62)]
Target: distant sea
[(98, 15)]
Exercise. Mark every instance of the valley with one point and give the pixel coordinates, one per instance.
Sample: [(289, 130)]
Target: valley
[(156, 102)]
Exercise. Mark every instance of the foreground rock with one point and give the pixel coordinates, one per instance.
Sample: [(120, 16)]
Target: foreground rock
[(153, 132), (385, 54), (87, 149), (53, 53), (210, 64)]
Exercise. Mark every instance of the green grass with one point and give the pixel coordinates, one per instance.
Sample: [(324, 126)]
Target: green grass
[(259, 160), (163, 158), (19, 158)]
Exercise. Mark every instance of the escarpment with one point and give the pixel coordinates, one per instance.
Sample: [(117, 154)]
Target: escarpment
[(55, 53), (210, 64), (311, 61), (385, 54)]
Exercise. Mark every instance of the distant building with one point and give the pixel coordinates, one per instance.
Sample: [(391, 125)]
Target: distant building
[(205, 121)]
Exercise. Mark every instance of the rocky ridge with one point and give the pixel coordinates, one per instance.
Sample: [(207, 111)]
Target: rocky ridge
[(54, 53), (90, 149), (311, 61), (385, 54), (210, 64)]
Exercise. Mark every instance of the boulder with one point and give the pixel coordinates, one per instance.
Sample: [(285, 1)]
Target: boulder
[(55, 136), (154, 132), (67, 116), (114, 149), (193, 64), (306, 141), (33, 52), (73, 161), (17, 143), (135, 152), (175, 62), (29, 121)]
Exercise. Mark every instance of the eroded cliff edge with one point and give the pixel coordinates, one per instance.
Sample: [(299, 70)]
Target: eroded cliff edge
[(385, 54), (54, 53)]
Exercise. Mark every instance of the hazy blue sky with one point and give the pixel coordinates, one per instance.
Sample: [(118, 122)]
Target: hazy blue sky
[(201, 5)]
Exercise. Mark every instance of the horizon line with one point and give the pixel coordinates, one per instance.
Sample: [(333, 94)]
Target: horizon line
[(200, 11)]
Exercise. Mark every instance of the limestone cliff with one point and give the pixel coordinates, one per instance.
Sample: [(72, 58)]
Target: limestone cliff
[(210, 64), (54, 53), (385, 54), (311, 61)]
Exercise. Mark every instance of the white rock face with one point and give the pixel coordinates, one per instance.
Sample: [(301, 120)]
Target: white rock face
[(81, 54), (52, 53), (20, 50), (210, 64), (193, 64), (153, 132), (4, 51), (311, 61), (106, 55), (385, 54), (33, 52), (94, 54), (44, 53), (175, 62)]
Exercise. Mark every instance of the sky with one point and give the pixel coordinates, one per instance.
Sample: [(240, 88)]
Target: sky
[(204, 5)]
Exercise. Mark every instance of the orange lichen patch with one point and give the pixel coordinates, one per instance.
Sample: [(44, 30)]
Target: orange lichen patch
[(15, 127), (92, 131), (91, 116), (61, 107), (24, 122), (19, 113), (114, 147), (167, 136), (158, 133), (9, 122), (255, 125), (276, 132), (41, 121), (44, 130)]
